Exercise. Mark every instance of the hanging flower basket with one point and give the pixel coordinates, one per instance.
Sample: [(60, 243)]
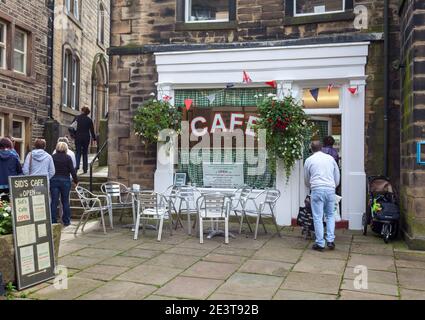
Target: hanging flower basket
[(288, 129), (155, 116)]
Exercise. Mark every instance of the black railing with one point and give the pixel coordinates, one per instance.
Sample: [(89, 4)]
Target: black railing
[(94, 160)]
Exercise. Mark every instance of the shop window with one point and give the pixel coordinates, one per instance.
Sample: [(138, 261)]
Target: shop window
[(101, 25), (71, 80), (18, 134), (321, 99), (3, 45), (73, 7), (20, 51), (206, 10), (314, 7)]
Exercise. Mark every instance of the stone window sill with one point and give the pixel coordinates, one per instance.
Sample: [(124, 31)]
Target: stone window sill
[(17, 76), (205, 26), (331, 17), (70, 111), (75, 20)]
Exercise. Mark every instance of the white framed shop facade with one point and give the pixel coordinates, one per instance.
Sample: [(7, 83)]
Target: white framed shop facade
[(295, 69)]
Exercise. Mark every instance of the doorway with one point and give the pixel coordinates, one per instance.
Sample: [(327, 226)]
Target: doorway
[(100, 84)]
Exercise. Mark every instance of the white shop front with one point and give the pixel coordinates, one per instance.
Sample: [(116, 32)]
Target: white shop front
[(296, 69)]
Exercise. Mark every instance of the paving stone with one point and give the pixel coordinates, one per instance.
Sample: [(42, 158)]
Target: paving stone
[(190, 288), (226, 296), (140, 253), (85, 240), (194, 243), (372, 238), (411, 278), (355, 295), (116, 244), (372, 248), (251, 285), (300, 295), (372, 287), (234, 251), (278, 254), (288, 242), (340, 252), (189, 251), (102, 272), (156, 297), (410, 264), (148, 274), (244, 243), (173, 261), (373, 275), (66, 248), (211, 270), (78, 262), (123, 261), (406, 294), (317, 265), (373, 262), (155, 246), (272, 268), (97, 253), (223, 258), (120, 290), (76, 287), (311, 282)]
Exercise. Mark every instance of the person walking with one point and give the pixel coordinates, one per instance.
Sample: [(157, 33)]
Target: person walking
[(84, 129), (322, 176), (328, 148), (69, 152), (38, 162), (9, 166), (60, 184)]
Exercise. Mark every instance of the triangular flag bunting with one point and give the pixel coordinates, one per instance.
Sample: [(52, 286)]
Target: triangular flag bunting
[(353, 90), (330, 87), (230, 85), (246, 78), (188, 103), (315, 93), (211, 98), (272, 84)]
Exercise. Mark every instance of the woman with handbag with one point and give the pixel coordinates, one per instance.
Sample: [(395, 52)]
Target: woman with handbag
[(38, 162), (9, 166)]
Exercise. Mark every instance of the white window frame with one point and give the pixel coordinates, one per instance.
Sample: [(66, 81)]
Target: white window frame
[(68, 6), (76, 9), (22, 139), (65, 80), (316, 14), (1, 125), (101, 24), (74, 83), (188, 10), (3, 46), (24, 53)]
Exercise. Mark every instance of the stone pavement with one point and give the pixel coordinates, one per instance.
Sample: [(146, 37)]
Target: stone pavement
[(114, 266)]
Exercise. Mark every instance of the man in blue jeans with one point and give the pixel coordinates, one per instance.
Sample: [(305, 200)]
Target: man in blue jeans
[(321, 174)]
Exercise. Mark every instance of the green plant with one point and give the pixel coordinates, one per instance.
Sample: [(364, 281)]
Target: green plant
[(5, 218), (287, 129), (155, 116), (10, 290)]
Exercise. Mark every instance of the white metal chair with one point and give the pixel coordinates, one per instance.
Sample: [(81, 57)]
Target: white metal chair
[(238, 201), (213, 207), (171, 195), (152, 206), (92, 203), (187, 196), (265, 208), (118, 196)]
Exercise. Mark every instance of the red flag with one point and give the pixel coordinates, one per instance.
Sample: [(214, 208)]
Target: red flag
[(272, 84), (353, 90), (188, 103), (246, 78), (330, 87)]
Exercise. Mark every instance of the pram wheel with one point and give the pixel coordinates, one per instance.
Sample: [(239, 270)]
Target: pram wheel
[(364, 223), (386, 232)]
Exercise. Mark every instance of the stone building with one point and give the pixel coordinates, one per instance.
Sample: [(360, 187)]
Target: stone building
[(412, 70), (80, 72), (25, 35), (192, 49)]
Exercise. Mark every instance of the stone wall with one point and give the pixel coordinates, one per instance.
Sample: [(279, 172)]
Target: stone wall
[(137, 25), (412, 119), (21, 95)]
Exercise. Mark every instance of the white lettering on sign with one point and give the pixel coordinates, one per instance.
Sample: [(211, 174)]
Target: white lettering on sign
[(234, 122), (218, 123), (252, 120), (236, 119), (195, 131)]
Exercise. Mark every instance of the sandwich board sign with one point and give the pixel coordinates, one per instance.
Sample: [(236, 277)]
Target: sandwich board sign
[(32, 230)]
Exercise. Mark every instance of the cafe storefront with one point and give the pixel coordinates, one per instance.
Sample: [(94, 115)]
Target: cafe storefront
[(329, 78)]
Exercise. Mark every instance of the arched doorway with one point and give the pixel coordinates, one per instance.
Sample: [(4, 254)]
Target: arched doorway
[(100, 84)]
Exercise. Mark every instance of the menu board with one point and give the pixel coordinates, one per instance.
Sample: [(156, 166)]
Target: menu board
[(223, 175), (32, 230)]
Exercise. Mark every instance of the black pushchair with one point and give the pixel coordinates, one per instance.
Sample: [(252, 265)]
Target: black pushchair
[(305, 219), (382, 212)]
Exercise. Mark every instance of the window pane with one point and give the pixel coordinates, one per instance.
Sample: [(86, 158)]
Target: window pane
[(325, 99), (1, 127), (20, 41), (76, 9), (19, 62), (2, 33), (204, 10), (318, 6), (2, 57), (18, 130)]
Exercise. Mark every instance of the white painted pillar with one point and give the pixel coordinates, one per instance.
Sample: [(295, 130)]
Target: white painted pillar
[(353, 142)]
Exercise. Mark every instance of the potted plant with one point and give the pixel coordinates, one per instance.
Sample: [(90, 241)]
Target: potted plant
[(7, 250), (287, 127)]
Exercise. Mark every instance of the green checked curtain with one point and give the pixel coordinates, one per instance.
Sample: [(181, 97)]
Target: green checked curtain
[(238, 97), (322, 127)]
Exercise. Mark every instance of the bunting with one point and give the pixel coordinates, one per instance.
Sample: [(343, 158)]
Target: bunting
[(246, 77), (353, 90), (315, 93), (188, 103), (272, 84), (330, 87)]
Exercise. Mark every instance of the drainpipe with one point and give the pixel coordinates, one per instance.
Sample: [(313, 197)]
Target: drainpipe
[(50, 44), (386, 85)]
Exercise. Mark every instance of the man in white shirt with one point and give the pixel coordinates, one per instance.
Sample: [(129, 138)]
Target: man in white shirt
[(322, 176)]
